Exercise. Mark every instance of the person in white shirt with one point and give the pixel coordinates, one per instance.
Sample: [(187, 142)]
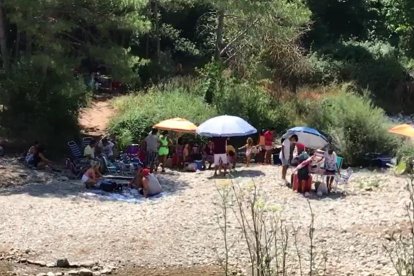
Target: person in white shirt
[(107, 148), (286, 154), (330, 165)]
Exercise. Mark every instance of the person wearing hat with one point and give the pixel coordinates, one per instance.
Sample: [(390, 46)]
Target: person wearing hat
[(146, 182)]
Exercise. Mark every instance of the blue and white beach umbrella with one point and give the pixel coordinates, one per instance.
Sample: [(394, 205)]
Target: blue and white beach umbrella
[(225, 126), (310, 137)]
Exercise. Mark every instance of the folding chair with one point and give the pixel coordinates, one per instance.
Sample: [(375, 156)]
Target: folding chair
[(75, 151), (86, 141), (132, 150), (109, 166)]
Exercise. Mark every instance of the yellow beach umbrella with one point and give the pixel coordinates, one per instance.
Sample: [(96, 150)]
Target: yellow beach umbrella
[(404, 130), (177, 125)]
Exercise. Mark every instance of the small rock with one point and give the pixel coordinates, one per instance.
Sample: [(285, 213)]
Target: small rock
[(85, 272), (96, 273), (106, 271), (50, 274), (59, 274), (41, 274), (50, 265), (87, 264), (96, 268), (73, 272), (64, 263)]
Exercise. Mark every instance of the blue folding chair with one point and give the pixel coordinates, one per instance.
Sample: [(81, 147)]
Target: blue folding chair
[(75, 151)]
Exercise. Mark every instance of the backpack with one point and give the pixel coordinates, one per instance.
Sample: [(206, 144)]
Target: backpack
[(110, 186)]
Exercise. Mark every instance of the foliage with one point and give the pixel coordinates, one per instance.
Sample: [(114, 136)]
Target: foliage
[(138, 113), (248, 100), (40, 108), (357, 127), (400, 248), (371, 65), (272, 244)]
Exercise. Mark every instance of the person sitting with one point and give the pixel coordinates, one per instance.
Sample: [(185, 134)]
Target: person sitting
[(146, 182), (330, 166), (39, 160), (30, 153), (92, 175), (89, 151)]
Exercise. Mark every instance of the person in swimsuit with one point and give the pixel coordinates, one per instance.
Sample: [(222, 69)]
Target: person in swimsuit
[(249, 150), (164, 150), (92, 176)]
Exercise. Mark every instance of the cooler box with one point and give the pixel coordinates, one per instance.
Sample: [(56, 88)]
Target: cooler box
[(199, 164)]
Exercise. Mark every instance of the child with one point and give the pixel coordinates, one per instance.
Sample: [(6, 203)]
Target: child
[(303, 172), (330, 167), (249, 150), (231, 155)]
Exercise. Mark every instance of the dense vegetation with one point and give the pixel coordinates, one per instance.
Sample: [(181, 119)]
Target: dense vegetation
[(274, 62)]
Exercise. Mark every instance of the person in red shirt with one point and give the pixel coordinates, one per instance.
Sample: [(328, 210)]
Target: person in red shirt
[(268, 135), (220, 154)]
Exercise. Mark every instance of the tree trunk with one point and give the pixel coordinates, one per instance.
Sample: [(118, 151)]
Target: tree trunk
[(17, 45), (157, 32), (3, 41), (219, 33)]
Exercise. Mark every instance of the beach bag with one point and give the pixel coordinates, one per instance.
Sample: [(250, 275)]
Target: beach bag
[(322, 189), (110, 186)]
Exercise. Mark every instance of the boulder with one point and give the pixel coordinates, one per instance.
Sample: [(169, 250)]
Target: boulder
[(85, 272), (64, 263)]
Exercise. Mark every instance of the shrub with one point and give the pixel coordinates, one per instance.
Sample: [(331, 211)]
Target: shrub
[(356, 126), (138, 113), (252, 103), (41, 104), (371, 65)]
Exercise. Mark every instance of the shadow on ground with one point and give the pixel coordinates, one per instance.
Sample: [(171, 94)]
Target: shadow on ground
[(74, 188)]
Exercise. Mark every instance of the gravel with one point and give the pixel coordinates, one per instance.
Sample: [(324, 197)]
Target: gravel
[(57, 219)]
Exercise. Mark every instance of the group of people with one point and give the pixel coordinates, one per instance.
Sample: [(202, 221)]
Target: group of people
[(295, 154)]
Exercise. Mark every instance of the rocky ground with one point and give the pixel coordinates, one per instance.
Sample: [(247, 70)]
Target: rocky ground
[(45, 218)]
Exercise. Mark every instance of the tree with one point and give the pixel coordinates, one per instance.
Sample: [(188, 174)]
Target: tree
[(51, 40)]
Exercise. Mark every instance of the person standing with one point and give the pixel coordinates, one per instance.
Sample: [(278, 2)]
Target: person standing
[(220, 154), (268, 135), (151, 142), (286, 154), (163, 150), (331, 167), (261, 146)]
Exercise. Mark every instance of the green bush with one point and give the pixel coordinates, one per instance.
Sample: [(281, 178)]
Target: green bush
[(252, 103), (138, 113), (373, 66), (41, 104), (356, 126)]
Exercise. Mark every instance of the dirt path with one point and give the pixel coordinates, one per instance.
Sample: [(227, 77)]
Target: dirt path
[(94, 119)]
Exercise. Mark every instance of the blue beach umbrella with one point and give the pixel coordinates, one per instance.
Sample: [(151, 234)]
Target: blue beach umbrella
[(225, 126), (310, 137)]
